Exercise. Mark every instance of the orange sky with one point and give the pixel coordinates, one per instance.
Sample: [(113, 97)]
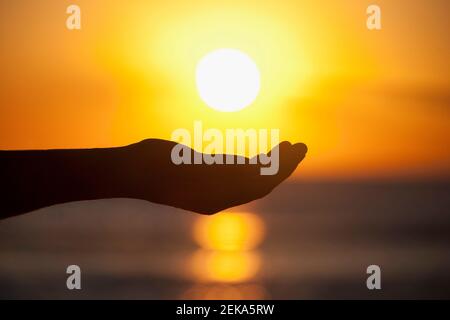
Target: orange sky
[(367, 103)]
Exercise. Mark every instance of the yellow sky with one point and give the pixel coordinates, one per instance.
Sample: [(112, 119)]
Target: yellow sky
[(367, 103)]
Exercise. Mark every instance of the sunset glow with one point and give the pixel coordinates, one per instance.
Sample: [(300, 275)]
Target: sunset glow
[(365, 102)]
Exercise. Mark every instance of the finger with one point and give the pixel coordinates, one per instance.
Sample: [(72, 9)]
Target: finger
[(290, 158), (299, 150)]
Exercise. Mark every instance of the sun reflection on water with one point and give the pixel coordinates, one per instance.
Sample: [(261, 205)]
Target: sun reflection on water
[(228, 231), (225, 266), (227, 262)]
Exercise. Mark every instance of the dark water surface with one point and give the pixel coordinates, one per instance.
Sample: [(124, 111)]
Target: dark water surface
[(320, 238)]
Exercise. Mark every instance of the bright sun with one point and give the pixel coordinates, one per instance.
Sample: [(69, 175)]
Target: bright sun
[(227, 80)]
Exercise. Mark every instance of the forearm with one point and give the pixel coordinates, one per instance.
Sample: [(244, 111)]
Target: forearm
[(35, 179)]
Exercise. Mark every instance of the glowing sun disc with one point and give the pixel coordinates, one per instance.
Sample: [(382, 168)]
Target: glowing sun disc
[(227, 80)]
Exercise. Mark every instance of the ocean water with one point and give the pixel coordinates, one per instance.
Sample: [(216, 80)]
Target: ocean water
[(319, 240)]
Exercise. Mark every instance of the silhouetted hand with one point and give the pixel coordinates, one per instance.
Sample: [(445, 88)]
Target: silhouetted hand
[(145, 170), (202, 188)]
